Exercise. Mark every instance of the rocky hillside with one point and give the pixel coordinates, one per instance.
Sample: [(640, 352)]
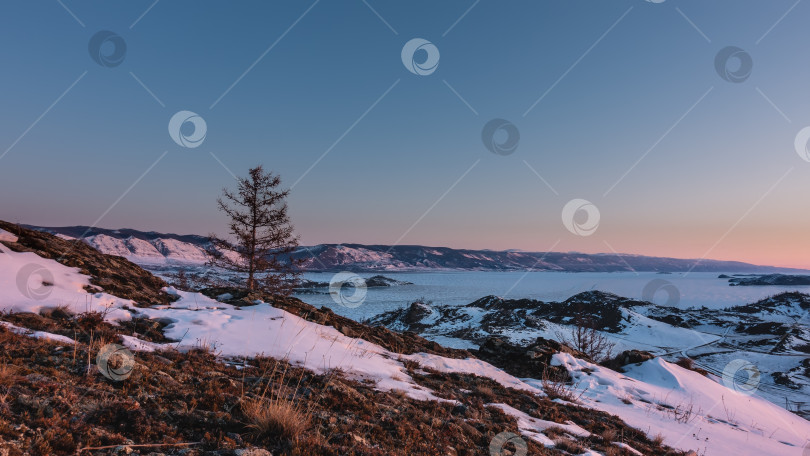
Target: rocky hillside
[(773, 334), (109, 273), (171, 372), (516, 319)]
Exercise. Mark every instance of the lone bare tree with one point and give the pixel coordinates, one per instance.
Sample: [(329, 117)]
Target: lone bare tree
[(264, 238), (587, 339)]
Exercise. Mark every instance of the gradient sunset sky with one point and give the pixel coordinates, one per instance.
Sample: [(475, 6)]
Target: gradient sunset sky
[(618, 102)]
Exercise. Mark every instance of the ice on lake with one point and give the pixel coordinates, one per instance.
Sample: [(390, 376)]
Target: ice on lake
[(463, 287)]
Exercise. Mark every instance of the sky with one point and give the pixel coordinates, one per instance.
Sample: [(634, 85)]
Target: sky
[(635, 127)]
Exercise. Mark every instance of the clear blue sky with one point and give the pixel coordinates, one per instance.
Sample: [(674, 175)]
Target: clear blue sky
[(723, 179)]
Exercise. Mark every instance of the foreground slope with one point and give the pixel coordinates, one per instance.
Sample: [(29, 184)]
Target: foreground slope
[(202, 365)]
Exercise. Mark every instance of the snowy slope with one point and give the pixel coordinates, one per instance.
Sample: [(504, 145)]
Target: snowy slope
[(689, 410), (771, 333), (149, 252), (722, 422)]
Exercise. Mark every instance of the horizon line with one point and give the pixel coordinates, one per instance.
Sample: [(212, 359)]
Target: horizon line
[(511, 250)]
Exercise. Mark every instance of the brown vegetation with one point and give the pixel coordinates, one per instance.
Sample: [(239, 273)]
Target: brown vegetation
[(112, 274), (195, 403)]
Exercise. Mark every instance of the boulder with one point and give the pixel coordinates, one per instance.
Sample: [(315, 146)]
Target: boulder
[(531, 361)]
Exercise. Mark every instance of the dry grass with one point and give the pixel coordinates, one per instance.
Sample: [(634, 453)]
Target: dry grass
[(269, 418), (173, 398), (7, 374), (277, 413), (609, 435), (688, 363), (485, 392), (569, 446), (554, 432), (555, 385), (60, 312)]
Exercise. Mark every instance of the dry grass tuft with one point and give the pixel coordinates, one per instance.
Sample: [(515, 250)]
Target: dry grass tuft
[(569, 446), (60, 312), (275, 417), (609, 435), (7, 375), (554, 432)]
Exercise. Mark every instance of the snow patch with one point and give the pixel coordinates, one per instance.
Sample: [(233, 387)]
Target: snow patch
[(6, 236), (37, 334)]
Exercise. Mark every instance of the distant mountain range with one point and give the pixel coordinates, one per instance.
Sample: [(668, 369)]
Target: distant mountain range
[(165, 249)]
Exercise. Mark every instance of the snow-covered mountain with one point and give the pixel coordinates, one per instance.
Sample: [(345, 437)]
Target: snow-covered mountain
[(140, 247), (153, 249)]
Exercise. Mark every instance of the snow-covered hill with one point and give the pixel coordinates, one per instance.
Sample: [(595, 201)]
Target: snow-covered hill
[(153, 251), (773, 334), (684, 409), (160, 249)]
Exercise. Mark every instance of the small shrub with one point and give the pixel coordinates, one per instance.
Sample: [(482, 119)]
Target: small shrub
[(555, 386), (686, 363)]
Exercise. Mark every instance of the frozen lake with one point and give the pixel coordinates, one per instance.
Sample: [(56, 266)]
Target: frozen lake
[(463, 287)]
